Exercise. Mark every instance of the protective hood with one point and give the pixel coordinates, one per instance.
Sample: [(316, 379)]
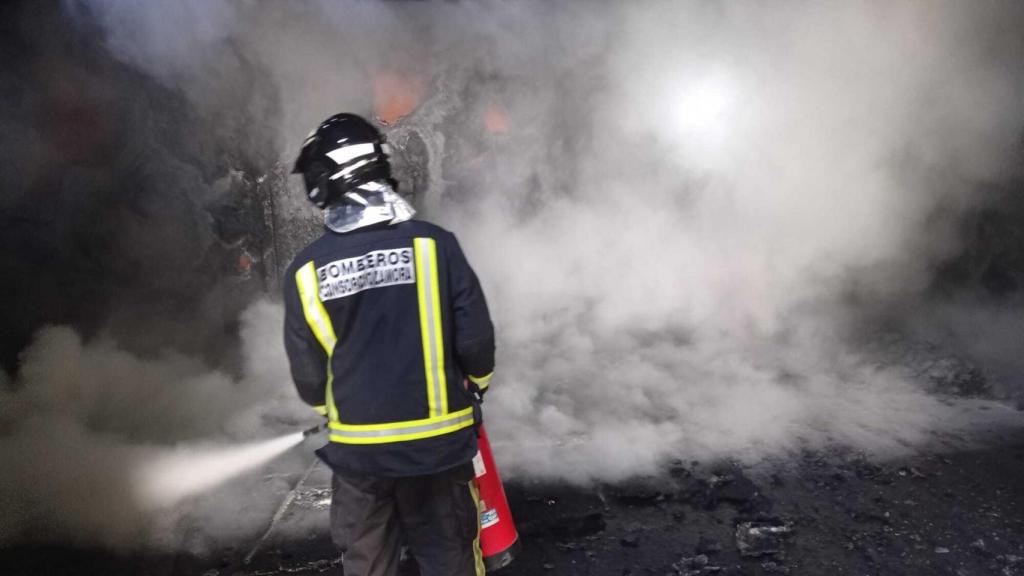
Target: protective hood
[(369, 204)]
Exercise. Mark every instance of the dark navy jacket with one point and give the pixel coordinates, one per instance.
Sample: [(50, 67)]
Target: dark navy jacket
[(382, 326)]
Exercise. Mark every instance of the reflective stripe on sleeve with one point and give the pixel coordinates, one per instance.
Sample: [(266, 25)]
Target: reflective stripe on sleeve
[(400, 431), (320, 323), (430, 325), (482, 382)]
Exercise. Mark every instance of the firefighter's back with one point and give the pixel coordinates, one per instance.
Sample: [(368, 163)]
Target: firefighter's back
[(395, 401)]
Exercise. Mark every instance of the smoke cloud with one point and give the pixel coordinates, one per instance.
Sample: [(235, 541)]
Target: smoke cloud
[(687, 216), (111, 448)]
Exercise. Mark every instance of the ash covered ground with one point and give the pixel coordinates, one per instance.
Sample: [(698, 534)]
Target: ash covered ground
[(958, 510), (953, 505)]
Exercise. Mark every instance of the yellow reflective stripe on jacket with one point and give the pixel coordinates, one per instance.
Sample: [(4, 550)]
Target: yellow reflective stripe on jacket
[(400, 431), (321, 410), (320, 323), (482, 382), (427, 289)]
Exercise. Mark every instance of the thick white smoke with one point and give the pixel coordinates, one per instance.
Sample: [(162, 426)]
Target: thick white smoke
[(106, 447), (694, 207), (700, 302)]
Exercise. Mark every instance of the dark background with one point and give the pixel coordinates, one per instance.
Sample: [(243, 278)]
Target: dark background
[(123, 206)]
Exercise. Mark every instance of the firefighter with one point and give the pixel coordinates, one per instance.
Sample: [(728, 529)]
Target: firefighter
[(388, 335)]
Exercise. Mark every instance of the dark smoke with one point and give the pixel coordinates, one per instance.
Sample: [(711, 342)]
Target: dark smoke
[(126, 204)]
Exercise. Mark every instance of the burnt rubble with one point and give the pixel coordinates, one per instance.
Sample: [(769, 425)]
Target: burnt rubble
[(762, 538), (940, 370), (823, 512), (826, 512)]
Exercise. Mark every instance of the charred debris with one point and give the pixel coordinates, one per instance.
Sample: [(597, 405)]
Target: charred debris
[(955, 513)]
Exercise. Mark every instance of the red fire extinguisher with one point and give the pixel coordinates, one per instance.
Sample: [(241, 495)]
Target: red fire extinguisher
[(499, 540)]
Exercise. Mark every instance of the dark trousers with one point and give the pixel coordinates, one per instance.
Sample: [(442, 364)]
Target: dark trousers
[(436, 516)]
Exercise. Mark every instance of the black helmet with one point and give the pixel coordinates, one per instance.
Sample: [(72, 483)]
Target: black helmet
[(344, 152)]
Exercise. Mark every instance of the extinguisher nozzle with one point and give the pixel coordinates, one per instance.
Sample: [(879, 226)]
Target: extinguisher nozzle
[(314, 430)]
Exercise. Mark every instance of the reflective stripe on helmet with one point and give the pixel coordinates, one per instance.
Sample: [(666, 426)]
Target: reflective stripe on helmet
[(320, 323), (400, 431), (345, 171), (430, 325), (345, 154)]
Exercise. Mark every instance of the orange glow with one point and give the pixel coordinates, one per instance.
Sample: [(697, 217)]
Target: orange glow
[(495, 119), (395, 96)]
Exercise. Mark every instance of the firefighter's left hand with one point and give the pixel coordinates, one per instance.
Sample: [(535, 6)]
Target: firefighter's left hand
[(475, 390)]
